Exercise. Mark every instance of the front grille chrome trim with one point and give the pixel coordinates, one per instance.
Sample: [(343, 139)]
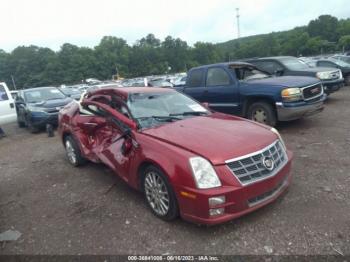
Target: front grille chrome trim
[(254, 170)]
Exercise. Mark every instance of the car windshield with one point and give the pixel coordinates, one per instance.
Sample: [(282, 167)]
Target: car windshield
[(70, 91), (43, 94), (293, 63), (344, 58), (152, 109), (246, 73)]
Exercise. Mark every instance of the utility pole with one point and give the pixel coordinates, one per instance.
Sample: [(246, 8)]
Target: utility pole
[(238, 29), (13, 82)]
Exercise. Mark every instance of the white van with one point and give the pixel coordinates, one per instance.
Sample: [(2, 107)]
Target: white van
[(7, 105)]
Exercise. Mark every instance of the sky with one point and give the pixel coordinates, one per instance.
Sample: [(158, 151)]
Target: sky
[(52, 23)]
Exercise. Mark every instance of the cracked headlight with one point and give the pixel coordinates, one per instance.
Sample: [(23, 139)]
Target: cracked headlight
[(204, 173)]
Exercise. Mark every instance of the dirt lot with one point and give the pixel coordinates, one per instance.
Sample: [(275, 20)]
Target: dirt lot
[(60, 209)]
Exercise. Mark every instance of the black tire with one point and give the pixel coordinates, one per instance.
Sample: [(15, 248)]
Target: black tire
[(262, 112), (173, 209), (77, 159)]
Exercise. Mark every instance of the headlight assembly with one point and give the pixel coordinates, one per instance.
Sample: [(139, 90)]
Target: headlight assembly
[(323, 75), (291, 94), (204, 173), (279, 137)]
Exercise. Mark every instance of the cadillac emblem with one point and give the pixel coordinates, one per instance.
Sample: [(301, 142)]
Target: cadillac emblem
[(268, 163)]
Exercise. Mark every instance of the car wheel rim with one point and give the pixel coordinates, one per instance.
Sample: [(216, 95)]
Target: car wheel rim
[(157, 193), (260, 116), (70, 152)]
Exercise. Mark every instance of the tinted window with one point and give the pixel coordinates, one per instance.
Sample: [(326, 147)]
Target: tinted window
[(326, 64), (3, 95), (195, 79), (217, 77)]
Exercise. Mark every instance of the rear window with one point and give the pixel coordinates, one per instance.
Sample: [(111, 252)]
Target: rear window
[(3, 94), (195, 78)]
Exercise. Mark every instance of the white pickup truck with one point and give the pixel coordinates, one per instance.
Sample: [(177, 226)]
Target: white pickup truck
[(7, 105)]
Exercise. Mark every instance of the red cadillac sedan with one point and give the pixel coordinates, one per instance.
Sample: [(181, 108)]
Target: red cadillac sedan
[(205, 166)]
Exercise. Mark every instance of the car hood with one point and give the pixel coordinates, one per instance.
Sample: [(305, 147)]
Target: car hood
[(286, 81), (52, 103), (216, 137)]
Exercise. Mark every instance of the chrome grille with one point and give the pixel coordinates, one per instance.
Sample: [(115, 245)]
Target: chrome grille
[(313, 91), (250, 168)]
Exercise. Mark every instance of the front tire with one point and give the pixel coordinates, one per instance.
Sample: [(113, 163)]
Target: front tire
[(73, 152), (159, 194), (263, 113)]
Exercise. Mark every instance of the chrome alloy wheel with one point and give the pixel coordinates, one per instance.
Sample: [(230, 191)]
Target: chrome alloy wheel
[(157, 193), (72, 157), (259, 115)]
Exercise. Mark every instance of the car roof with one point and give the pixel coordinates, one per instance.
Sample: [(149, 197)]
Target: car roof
[(226, 64), (269, 57)]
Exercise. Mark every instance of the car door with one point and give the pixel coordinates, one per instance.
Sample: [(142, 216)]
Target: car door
[(222, 90), (105, 136), (195, 85), (7, 108)]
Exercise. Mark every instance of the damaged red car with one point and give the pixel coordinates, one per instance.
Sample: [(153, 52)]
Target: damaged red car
[(205, 166)]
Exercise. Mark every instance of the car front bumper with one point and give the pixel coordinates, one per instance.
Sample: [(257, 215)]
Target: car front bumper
[(331, 86), (293, 111), (240, 200), (40, 119)]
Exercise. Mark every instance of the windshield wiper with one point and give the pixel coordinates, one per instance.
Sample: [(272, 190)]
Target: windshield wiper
[(191, 113), (160, 118)]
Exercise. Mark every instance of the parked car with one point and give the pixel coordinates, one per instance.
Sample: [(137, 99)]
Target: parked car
[(159, 83), (7, 106), (242, 89), (331, 78), (162, 142), (338, 64), (71, 92), (343, 58), (39, 106)]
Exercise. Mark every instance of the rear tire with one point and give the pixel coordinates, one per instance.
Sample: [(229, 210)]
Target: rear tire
[(73, 152), (263, 113), (159, 194)]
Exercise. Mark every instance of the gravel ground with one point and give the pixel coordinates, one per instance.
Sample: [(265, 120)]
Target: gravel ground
[(60, 209)]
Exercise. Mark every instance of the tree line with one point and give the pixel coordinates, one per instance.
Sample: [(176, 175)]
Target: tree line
[(31, 66)]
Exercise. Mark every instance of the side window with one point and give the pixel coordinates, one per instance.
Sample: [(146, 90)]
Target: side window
[(3, 95), (326, 64), (268, 66), (217, 77), (195, 79)]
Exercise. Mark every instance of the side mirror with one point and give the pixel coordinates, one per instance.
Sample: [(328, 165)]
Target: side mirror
[(279, 72)]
